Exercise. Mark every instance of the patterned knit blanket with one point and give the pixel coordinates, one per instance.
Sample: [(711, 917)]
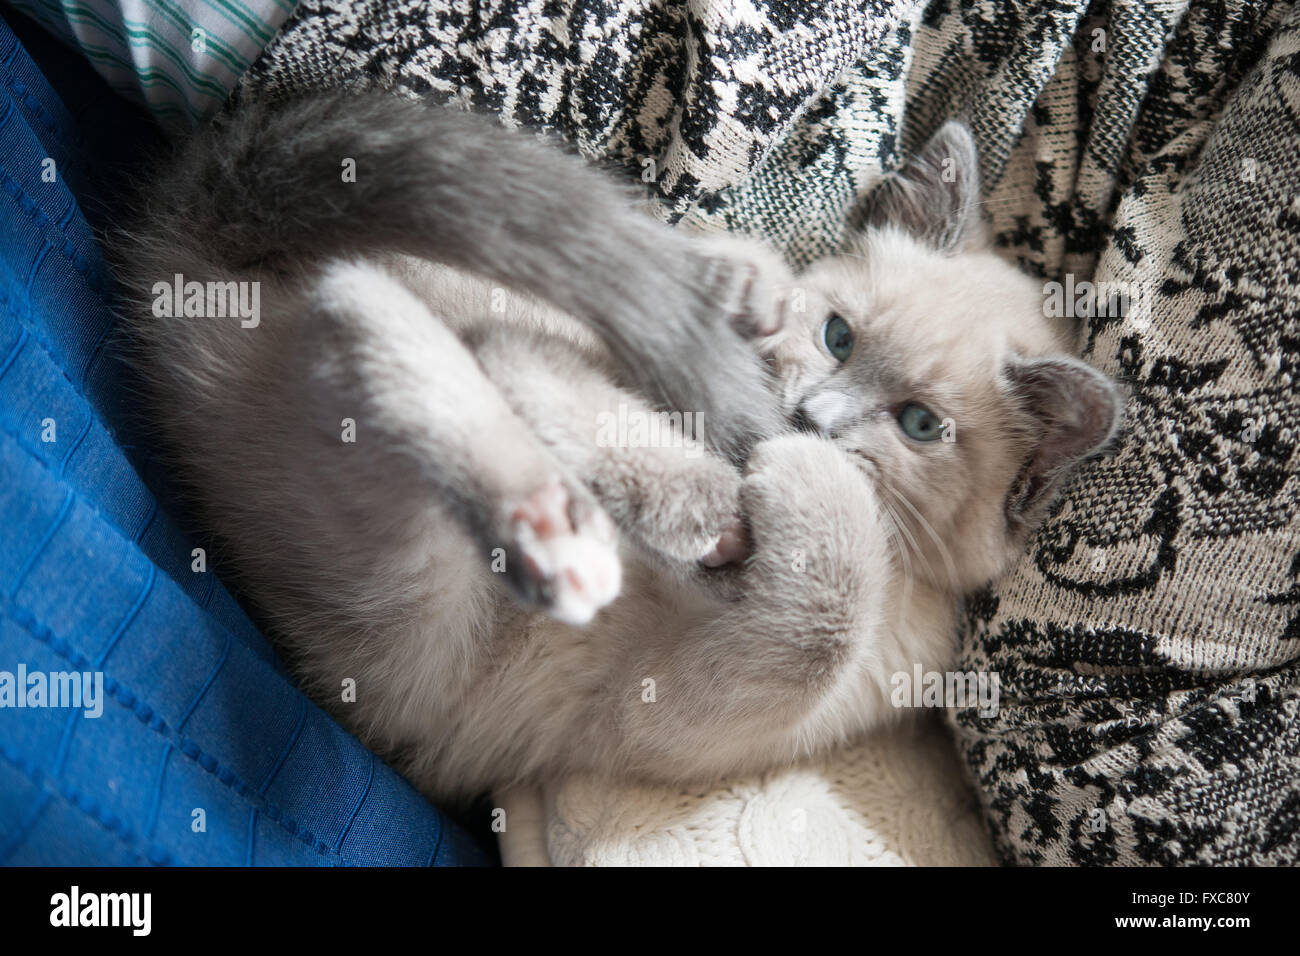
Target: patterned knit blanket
[(1148, 644)]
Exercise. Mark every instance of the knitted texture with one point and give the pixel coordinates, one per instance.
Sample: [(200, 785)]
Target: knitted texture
[(1148, 644), (889, 800), (689, 98)]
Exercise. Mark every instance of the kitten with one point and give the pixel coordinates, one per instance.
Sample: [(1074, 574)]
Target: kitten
[(481, 486)]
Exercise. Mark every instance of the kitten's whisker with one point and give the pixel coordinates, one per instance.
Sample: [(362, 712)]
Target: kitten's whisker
[(902, 525), (901, 547), (944, 553), (909, 546)]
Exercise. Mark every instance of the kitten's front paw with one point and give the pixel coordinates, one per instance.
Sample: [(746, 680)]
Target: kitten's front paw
[(688, 511), (803, 494), (564, 554), (752, 284), (731, 546)]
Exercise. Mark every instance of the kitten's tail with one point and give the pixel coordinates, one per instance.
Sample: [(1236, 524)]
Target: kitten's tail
[(334, 173)]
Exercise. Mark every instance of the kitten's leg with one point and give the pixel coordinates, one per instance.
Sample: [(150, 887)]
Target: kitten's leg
[(818, 581), (374, 353), (334, 173), (662, 485), (679, 499), (672, 493), (801, 656)]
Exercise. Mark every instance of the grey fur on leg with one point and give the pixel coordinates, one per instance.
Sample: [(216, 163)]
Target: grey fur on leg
[(264, 187)]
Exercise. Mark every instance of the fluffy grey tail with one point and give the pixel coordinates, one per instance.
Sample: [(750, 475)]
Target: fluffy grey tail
[(266, 186)]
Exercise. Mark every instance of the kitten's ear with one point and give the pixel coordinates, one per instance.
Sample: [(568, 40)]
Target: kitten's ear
[(935, 196), (1074, 410)]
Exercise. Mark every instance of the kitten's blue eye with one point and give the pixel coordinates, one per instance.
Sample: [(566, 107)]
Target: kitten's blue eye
[(838, 337), (920, 423)]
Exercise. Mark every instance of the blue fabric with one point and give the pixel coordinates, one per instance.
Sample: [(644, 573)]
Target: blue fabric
[(96, 577)]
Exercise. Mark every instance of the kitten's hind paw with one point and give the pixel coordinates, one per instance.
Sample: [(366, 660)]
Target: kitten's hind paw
[(750, 282), (565, 554)]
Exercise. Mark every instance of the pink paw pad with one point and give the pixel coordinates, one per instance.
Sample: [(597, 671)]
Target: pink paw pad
[(569, 553), (730, 546)]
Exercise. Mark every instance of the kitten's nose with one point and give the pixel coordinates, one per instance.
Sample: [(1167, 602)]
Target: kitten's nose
[(826, 411)]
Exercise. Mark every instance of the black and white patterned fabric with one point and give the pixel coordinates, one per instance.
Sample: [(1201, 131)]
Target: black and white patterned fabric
[(1148, 645)]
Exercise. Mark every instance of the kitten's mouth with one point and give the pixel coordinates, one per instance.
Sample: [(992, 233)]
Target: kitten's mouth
[(801, 422)]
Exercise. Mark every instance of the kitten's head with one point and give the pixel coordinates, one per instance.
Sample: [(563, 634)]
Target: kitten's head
[(929, 358)]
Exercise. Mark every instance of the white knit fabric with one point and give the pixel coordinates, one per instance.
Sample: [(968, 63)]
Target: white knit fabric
[(894, 799)]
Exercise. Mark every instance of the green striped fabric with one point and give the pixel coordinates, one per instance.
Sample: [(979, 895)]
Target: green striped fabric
[(180, 58)]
